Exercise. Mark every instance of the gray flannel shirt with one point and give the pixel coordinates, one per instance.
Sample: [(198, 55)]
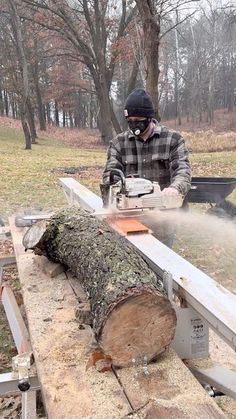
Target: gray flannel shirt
[(163, 157)]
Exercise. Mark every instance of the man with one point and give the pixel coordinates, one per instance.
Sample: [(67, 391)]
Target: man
[(149, 149)]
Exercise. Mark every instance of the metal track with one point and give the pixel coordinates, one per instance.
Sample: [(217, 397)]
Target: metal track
[(213, 302)]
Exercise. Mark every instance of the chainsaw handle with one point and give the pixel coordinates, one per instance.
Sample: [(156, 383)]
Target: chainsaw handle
[(120, 174)]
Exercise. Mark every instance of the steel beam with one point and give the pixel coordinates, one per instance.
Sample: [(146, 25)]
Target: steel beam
[(6, 260), (9, 384), (79, 194), (219, 377), (19, 331), (213, 302)]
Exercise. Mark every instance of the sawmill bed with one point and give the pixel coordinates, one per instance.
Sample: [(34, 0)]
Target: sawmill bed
[(71, 386)]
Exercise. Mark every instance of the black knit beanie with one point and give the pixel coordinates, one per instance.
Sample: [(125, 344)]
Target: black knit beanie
[(139, 103)]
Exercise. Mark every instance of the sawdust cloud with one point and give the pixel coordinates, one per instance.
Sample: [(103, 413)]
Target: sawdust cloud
[(208, 242), (198, 225)]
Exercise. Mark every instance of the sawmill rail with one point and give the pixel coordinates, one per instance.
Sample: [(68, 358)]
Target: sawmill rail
[(213, 302)]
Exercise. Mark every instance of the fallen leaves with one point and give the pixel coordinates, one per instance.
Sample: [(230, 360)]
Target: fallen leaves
[(6, 247), (10, 407)]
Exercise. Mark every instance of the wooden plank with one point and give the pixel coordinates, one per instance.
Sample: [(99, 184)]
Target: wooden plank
[(61, 348), (49, 268), (126, 226), (83, 310), (167, 389)]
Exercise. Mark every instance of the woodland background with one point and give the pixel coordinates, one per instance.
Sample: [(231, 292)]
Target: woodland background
[(72, 63), (66, 68)]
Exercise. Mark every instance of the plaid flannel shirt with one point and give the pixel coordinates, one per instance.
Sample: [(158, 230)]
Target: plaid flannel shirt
[(163, 157)]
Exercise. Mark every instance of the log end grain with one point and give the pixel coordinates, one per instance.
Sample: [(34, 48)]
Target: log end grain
[(138, 329), (34, 234)]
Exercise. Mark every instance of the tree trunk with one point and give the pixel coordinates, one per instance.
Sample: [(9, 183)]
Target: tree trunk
[(105, 120), (176, 74), (56, 114), (231, 83), (48, 113), (26, 131), (35, 73), (133, 77), (41, 114), (63, 116), (30, 118), (71, 119), (13, 107), (1, 101), (6, 104), (16, 26), (132, 319), (151, 30)]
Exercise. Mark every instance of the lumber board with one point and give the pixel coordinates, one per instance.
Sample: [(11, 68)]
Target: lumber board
[(168, 391), (49, 268), (61, 350)]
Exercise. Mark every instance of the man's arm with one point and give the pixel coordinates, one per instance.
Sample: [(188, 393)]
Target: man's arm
[(180, 169), (114, 161)]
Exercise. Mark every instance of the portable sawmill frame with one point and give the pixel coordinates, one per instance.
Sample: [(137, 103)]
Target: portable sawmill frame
[(207, 304), (23, 379), (214, 308)]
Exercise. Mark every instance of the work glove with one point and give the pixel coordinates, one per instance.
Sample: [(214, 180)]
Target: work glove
[(172, 197), (104, 188), (170, 191)]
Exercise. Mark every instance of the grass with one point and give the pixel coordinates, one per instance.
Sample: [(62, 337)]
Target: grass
[(29, 178), (210, 141)]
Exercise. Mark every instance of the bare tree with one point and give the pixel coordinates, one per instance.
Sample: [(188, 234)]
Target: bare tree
[(16, 27), (92, 28), (152, 14), (151, 29)]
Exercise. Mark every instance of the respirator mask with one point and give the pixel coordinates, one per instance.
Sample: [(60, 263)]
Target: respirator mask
[(138, 127)]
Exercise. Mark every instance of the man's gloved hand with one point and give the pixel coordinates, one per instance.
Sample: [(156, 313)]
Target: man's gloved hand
[(170, 191), (104, 188), (172, 198)]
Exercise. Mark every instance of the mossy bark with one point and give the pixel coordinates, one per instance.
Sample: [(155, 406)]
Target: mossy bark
[(109, 268)]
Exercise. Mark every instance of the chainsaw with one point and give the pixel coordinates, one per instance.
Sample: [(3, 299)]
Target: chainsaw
[(135, 194)]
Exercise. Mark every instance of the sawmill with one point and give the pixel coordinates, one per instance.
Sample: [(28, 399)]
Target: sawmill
[(122, 328)]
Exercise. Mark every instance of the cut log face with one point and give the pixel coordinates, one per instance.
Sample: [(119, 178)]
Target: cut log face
[(33, 235), (138, 329), (132, 318)]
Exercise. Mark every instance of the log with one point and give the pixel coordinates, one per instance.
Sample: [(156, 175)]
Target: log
[(132, 318), (70, 387)]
